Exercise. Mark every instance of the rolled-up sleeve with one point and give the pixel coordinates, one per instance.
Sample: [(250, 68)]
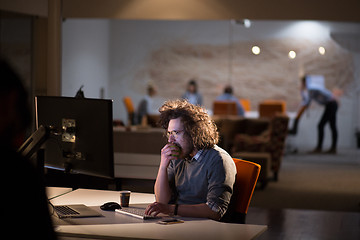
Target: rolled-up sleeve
[(221, 178), (306, 100)]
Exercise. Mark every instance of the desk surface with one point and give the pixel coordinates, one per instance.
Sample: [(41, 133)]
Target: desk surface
[(118, 226), (200, 229), (91, 197)]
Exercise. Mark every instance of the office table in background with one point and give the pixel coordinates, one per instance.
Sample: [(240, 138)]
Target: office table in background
[(118, 226)]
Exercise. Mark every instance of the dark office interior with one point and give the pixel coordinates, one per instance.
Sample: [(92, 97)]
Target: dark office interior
[(117, 49)]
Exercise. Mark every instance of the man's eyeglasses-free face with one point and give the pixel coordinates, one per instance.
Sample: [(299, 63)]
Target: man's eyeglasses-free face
[(174, 133)]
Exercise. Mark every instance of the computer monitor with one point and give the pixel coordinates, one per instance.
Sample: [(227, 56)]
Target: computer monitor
[(81, 134)]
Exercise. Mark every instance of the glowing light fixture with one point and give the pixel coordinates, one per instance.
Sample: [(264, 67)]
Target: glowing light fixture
[(312, 30), (255, 50), (247, 23), (292, 54), (322, 50)]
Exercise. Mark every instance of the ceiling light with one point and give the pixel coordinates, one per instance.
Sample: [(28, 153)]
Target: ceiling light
[(292, 54), (255, 50), (322, 50), (247, 23)]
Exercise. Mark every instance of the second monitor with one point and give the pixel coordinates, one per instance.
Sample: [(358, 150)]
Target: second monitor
[(81, 134)]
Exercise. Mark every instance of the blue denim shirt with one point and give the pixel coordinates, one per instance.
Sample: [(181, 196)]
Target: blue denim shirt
[(320, 95), (207, 178)]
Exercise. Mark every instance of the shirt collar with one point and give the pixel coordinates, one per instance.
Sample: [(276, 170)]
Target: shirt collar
[(197, 157)]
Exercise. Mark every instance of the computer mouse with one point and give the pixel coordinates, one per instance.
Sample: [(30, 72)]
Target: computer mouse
[(110, 206)]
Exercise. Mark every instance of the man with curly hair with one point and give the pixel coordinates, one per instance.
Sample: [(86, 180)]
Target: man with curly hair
[(195, 177)]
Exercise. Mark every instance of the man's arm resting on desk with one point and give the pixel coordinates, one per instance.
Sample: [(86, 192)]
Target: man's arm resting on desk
[(201, 210)]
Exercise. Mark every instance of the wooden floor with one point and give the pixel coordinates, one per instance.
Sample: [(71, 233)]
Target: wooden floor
[(295, 224)]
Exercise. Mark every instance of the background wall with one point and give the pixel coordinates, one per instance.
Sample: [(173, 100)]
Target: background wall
[(15, 44), (122, 57), (85, 57)]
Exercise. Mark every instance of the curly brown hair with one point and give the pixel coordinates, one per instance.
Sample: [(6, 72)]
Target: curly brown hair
[(197, 123)]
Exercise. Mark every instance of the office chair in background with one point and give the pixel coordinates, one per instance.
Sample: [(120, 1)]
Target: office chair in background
[(130, 110), (246, 104), (225, 108)]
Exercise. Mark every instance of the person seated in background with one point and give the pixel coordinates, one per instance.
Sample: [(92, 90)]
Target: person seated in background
[(192, 94), (147, 105), (22, 187), (228, 96), (323, 97), (195, 177)]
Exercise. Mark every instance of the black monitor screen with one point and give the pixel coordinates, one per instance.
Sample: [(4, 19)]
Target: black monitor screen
[(81, 139)]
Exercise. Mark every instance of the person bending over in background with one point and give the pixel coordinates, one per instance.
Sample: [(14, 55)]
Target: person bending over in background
[(323, 97), (195, 177)]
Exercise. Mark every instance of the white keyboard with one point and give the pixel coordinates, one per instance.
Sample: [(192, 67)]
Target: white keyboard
[(135, 212)]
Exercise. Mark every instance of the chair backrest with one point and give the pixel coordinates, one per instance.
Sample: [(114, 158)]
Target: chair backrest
[(130, 110), (246, 104), (269, 108), (246, 178), (225, 108), (129, 105)]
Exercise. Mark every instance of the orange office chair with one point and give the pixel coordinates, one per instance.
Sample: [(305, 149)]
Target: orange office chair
[(270, 108), (224, 108), (130, 109), (246, 104), (245, 182)]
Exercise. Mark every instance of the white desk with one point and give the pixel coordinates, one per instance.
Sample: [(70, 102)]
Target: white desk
[(117, 226), (91, 197)]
